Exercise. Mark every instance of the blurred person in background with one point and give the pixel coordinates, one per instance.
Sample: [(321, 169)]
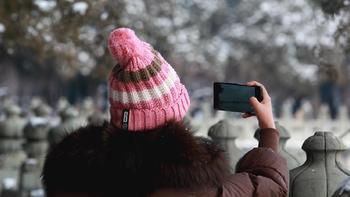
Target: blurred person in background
[(330, 88)]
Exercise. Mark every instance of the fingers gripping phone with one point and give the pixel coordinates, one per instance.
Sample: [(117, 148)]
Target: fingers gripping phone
[(235, 97)]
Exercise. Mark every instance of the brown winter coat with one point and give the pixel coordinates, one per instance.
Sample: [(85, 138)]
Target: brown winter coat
[(262, 172)]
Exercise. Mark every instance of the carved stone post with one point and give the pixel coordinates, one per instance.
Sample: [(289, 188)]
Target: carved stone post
[(30, 181), (225, 134), (321, 174), (11, 133), (284, 136), (69, 121), (35, 133), (9, 188), (11, 139)]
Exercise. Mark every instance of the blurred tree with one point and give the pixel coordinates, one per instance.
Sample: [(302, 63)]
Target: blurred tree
[(55, 41), (339, 9), (332, 7), (273, 41), (62, 36), (270, 35)]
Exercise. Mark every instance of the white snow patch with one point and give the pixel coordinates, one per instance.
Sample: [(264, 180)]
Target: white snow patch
[(83, 56), (45, 5), (80, 7), (2, 28), (104, 16)]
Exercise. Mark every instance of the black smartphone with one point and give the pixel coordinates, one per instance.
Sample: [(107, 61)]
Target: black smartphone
[(235, 97)]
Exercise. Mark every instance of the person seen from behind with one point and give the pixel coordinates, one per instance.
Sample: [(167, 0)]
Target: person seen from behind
[(147, 151)]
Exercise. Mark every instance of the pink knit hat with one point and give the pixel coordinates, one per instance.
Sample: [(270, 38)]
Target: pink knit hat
[(144, 90)]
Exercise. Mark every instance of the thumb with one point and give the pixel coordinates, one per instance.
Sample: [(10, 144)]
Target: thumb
[(254, 103)]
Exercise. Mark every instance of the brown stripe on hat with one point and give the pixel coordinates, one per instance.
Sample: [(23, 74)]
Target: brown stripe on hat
[(141, 75)]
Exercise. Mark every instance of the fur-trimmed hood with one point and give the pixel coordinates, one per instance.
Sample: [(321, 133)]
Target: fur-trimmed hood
[(166, 157), (107, 161)]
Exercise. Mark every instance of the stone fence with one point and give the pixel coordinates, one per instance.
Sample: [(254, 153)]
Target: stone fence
[(320, 173), (318, 161)]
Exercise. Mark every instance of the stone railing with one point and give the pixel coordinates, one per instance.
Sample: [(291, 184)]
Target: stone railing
[(323, 171), (318, 171)]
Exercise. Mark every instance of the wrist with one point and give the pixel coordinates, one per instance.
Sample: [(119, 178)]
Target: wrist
[(267, 125)]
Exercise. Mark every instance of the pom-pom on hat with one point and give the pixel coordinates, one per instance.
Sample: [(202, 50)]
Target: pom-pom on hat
[(144, 90)]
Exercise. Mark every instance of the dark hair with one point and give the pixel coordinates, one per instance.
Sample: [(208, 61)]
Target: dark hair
[(110, 161)]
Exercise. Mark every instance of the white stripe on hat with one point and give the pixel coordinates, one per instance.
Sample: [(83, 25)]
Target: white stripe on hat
[(147, 94)]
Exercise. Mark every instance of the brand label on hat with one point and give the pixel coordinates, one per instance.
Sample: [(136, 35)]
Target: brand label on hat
[(125, 120)]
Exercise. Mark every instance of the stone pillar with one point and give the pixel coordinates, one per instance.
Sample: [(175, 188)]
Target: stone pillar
[(30, 182), (322, 173), (11, 139), (187, 121), (206, 109), (284, 136), (69, 121), (36, 132), (10, 188), (225, 134), (11, 132), (97, 118), (87, 109)]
